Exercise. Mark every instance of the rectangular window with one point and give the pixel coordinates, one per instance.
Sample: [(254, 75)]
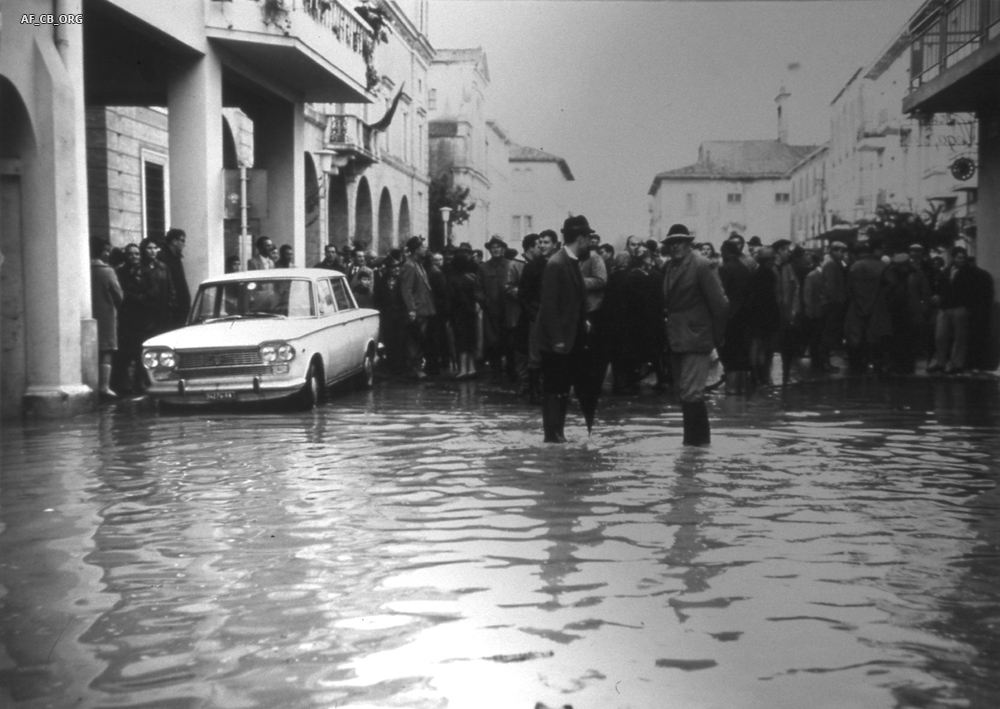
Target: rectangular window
[(515, 228), (432, 100), (527, 224), (734, 198), (781, 198), (325, 298), (340, 293), (155, 204), (690, 203)]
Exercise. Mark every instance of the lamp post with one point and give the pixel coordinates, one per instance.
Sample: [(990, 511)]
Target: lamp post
[(446, 221)]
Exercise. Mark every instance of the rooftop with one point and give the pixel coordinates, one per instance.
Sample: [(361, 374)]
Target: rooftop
[(522, 153), (739, 160)]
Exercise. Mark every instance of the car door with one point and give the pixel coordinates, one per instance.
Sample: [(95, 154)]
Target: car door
[(353, 335), (327, 330)]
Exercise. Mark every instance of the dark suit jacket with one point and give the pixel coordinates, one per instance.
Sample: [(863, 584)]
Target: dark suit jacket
[(182, 293), (560, 316)]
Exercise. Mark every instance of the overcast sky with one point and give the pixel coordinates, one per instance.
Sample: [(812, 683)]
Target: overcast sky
[(624, 90)]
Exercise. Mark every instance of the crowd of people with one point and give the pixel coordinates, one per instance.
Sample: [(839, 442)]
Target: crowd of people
[(138, 292), (453, 311), (459, 311)]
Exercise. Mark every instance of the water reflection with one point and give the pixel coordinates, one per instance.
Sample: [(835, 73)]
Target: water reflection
[(418, 546)]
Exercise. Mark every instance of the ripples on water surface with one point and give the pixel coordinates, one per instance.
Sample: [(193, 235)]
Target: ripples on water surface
[(837, 546)]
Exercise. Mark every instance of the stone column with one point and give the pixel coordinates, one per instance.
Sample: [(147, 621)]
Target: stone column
[(988, 212), (53, 221), (279, 148), (196, 179)]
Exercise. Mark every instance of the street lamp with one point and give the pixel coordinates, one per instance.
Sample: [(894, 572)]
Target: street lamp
[(446, 220)]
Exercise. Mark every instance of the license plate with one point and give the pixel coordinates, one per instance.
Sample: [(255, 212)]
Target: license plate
[(219, 395)]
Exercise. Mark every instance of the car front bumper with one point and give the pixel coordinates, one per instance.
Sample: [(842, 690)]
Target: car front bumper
[(205, 391)]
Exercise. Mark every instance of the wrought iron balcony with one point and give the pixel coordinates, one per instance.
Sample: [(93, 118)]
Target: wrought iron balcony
[(352, 142), (948, 32), (322, 48)]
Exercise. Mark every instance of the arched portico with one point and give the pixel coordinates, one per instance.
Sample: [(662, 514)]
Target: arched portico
[(386, 242), (314, 237), (404, 220), (363, 213), (337, 210)]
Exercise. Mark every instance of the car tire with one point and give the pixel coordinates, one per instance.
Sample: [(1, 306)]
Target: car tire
[(366, 377), (312, 391)]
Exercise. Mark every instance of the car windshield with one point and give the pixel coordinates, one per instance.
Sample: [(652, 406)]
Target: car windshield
[(254, 299)]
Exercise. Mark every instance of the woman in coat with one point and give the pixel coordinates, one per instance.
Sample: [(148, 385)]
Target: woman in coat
[(106, 296), (465, 299)]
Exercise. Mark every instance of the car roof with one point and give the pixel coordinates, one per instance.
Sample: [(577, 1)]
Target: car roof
[(275, 274)]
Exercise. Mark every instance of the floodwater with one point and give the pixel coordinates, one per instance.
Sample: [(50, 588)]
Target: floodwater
[(417, 546)]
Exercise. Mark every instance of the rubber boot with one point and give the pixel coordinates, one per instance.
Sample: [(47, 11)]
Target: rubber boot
[(697, 431), (561, 421), (688, 416), (550, 417), (104, 382)]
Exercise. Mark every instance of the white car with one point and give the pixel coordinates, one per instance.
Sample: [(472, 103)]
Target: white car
[(259, 335)]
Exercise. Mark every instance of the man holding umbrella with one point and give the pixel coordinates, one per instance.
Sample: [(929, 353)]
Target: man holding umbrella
[(560, 328), (696, 307)]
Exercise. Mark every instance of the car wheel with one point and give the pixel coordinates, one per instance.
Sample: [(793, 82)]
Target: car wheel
[(312, 391), (367, 377)]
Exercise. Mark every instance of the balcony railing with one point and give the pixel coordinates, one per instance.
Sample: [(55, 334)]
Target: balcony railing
[(348, 137), (949, 34), (341, 22)]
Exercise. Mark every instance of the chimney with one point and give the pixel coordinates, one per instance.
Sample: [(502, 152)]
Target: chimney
[(782, 114)]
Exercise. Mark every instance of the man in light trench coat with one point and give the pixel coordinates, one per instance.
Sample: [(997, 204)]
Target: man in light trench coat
[(696, 308)]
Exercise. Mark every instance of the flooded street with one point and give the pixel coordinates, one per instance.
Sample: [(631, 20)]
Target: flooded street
[(417, 546)]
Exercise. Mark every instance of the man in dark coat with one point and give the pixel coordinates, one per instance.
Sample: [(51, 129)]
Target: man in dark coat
[(496, 338), (529, 295), (561, 325), (696, 309), (415, 288), (171, 255), (867, 327), (958, 290)]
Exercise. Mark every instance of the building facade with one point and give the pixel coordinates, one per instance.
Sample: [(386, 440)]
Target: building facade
[(375, 183), (881, 157), (460, 136), (740, 186), (809, 198), (954, 59), (541, 191), (192, 58)]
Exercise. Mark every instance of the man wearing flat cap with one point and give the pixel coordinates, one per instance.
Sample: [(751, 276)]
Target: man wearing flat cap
[(696, 308), (561, 325)]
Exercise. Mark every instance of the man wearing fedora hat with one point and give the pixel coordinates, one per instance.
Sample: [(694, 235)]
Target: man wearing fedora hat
[(696, 307), (561, 324), (497, 343)]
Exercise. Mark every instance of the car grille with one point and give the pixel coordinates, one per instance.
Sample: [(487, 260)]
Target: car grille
[(211, 372), (218, 359)]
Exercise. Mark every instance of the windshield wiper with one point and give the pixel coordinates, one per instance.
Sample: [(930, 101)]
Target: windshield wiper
[(258, 314)]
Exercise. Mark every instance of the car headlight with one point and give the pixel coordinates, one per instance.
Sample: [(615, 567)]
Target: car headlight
[(277, 352), (159, 359)]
